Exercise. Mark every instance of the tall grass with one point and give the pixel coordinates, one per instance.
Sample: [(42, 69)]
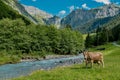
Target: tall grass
[(79, 72)]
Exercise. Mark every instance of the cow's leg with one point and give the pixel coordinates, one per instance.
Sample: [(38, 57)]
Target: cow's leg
[(86, 63), (102, 62), (98, 63), (92, 63)]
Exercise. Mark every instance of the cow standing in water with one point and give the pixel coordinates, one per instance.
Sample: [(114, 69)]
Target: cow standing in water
[(93, 57)]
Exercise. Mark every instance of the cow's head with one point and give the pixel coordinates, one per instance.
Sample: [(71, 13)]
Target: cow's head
[(85, 55)]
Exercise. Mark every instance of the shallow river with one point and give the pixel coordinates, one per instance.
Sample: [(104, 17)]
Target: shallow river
[(9, 71)]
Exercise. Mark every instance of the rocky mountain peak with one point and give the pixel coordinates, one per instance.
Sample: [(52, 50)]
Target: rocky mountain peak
[(108, 11), (37, 12), (81, 17)]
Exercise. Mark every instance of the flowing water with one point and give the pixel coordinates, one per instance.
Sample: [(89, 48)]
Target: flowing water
[(9, 71)]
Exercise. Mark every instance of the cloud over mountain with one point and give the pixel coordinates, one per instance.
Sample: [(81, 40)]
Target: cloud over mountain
[(103, 1), (71, 8), (62, 13), (85, 6)]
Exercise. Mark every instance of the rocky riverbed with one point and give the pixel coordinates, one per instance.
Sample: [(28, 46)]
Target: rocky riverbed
[(9, 71), (32, 58)]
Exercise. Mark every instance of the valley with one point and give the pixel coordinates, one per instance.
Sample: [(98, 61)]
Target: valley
[(37, 45)]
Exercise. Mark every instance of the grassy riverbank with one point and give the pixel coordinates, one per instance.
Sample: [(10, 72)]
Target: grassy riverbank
[(78, 72)]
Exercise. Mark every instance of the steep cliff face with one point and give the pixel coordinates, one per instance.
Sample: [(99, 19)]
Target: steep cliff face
[(107, 11), (37, 13), (79, 18), (18, 7)]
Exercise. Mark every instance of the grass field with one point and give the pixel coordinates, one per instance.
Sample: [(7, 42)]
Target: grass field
[(79, 72)]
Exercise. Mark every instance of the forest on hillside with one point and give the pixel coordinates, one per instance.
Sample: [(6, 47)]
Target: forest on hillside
[(17, 37), (103, 35)]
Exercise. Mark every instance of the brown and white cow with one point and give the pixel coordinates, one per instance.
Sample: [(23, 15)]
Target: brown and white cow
[(93, 57)]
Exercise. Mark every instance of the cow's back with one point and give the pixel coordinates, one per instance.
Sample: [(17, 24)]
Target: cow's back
[(95, 55)]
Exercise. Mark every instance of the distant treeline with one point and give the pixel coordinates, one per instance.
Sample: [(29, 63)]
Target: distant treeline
[(17, 38), (103, 35)]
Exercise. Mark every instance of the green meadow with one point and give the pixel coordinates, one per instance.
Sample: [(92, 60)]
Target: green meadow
[(79, 72)]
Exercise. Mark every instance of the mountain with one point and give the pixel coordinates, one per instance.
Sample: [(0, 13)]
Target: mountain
[(55, 20), (42, 16), (114, 21), (30, 13), (37, 13), (93, 24), (8, 12), (114, 26), (87, 20), (14, 4), (80, 19)]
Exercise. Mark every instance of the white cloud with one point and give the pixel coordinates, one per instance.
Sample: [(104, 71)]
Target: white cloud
[(71, 8), (62, 13), (34, 0), (85, 6), (77, 7), (103, 1), (117, 3)]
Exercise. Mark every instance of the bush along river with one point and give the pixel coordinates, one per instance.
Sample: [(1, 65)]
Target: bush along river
[(10, 71)]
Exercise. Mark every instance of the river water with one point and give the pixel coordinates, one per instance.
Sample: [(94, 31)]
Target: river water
[(10, 71)]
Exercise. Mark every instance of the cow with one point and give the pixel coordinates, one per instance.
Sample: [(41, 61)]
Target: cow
[(93, 57)]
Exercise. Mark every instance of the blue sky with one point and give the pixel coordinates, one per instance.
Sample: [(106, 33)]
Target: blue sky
[(64, 7)]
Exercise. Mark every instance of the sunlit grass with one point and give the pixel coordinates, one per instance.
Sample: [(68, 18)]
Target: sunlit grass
[(79, 72), (85, 35)]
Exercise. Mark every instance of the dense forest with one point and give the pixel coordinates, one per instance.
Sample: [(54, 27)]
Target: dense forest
[(17, 39), (103, 35)]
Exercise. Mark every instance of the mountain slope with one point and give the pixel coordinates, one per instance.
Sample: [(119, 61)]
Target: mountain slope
[(18, 7), (8, 12), (114, 26), (37, 13), (93, 24), (115, 21), (90, 19), (55, 20)]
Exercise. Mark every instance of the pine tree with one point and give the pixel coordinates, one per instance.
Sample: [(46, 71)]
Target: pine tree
[(88, 41)]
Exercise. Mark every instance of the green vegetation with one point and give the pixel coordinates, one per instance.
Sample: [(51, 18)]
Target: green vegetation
[(79, 72), (36, 40), (103, 35), (118, 42), (7, 12)]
